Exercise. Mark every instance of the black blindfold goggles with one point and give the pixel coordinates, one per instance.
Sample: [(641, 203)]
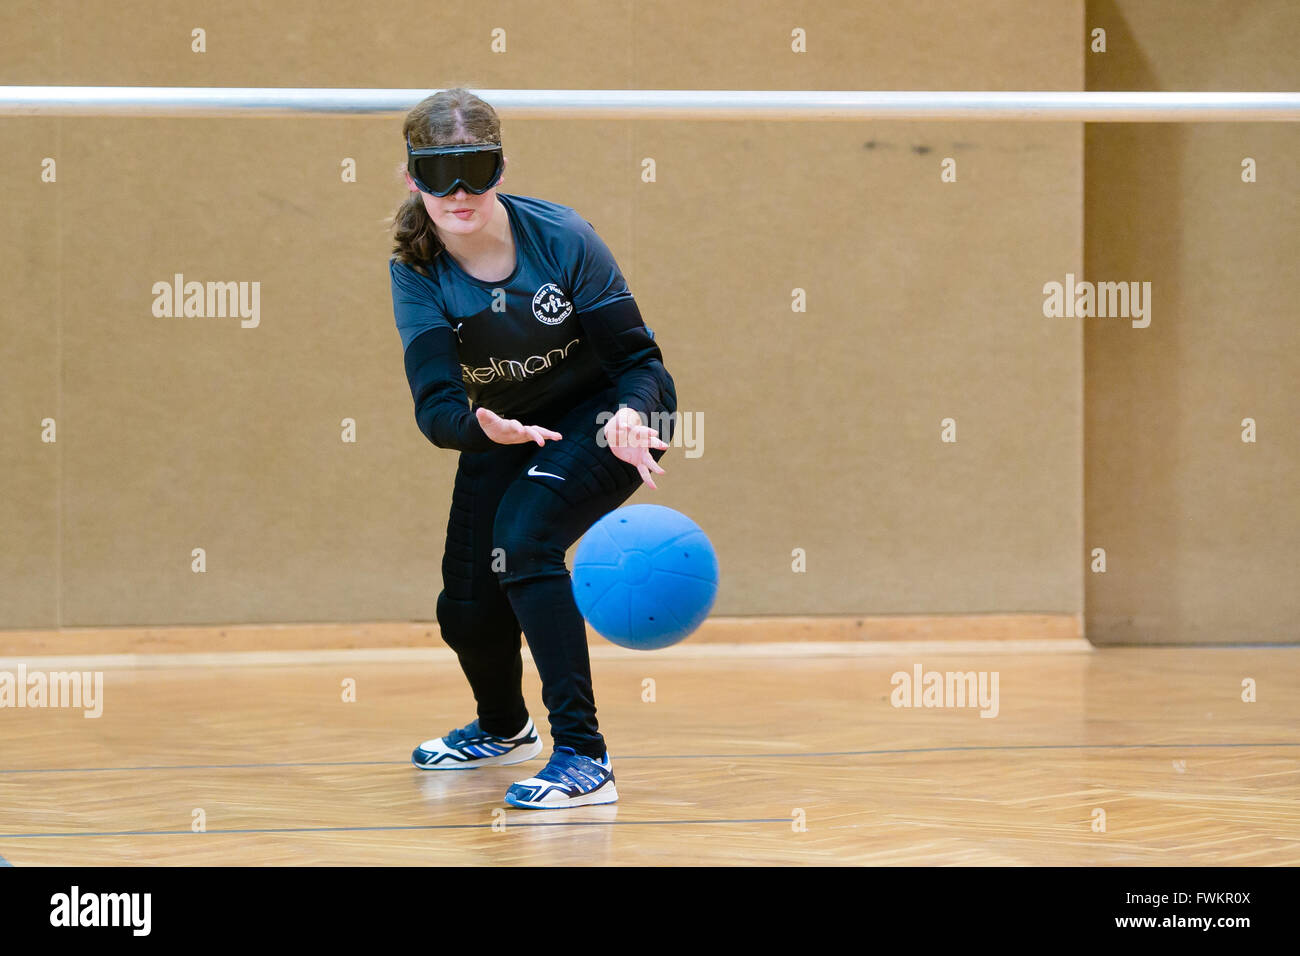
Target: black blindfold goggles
[(439, 170)]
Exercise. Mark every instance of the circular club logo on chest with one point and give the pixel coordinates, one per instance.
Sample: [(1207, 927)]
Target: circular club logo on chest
[(551, 305)]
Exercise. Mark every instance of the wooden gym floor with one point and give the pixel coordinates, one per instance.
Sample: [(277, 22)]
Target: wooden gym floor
[(1110, 756)]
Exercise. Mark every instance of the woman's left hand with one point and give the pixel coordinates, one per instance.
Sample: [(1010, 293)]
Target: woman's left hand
[(631, 441)]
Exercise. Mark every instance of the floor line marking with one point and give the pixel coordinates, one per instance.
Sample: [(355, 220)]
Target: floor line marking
[(394, 828), (732, 756)]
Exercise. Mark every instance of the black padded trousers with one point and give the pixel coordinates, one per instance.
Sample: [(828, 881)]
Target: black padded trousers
[(515, 512)]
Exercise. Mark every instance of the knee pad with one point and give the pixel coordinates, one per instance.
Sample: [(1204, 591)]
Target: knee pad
[(527, 558), (477, 625), (524, 533)]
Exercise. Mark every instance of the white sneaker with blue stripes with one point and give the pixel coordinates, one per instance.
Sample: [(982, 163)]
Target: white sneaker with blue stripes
[(471, 747), (568, 780)]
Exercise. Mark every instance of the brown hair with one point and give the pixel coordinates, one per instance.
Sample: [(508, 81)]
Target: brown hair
[(443, 119)]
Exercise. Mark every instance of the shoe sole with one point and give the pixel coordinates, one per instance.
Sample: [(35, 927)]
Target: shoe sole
[(604, 795), (518, 755)]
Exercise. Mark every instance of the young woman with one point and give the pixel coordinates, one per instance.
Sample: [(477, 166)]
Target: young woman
[(515, 304)]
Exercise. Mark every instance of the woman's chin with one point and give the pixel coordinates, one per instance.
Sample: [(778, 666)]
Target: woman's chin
[(453, 223)]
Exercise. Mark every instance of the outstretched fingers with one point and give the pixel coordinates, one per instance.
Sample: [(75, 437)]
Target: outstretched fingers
[(645, 475), (644, 436), (646, 465), (539, 434)]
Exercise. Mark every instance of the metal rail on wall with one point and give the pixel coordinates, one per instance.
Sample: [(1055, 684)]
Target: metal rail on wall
[(1031, 106)]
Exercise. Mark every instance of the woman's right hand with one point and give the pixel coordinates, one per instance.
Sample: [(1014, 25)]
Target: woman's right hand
[(508, 431)]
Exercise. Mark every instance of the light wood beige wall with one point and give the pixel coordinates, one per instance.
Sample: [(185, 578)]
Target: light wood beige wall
[(821, 429), (1201, 531)]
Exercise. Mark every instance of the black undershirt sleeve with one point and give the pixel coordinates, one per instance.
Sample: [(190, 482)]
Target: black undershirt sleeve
[(441, 402), (629, 355)]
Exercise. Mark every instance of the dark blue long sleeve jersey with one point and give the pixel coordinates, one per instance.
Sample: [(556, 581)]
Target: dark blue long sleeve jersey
[(563, 325)]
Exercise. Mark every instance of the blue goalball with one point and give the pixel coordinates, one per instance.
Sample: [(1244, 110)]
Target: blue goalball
[(645, 576)]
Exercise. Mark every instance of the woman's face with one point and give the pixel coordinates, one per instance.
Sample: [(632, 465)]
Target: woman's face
[(443, 209)]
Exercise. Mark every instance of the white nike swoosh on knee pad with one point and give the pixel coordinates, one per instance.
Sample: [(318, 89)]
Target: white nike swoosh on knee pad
[(542, 474)]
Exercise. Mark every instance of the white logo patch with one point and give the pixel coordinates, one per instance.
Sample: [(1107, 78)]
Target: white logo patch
[(551, 305)]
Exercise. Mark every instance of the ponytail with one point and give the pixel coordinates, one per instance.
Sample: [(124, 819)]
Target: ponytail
[(415, 240)]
